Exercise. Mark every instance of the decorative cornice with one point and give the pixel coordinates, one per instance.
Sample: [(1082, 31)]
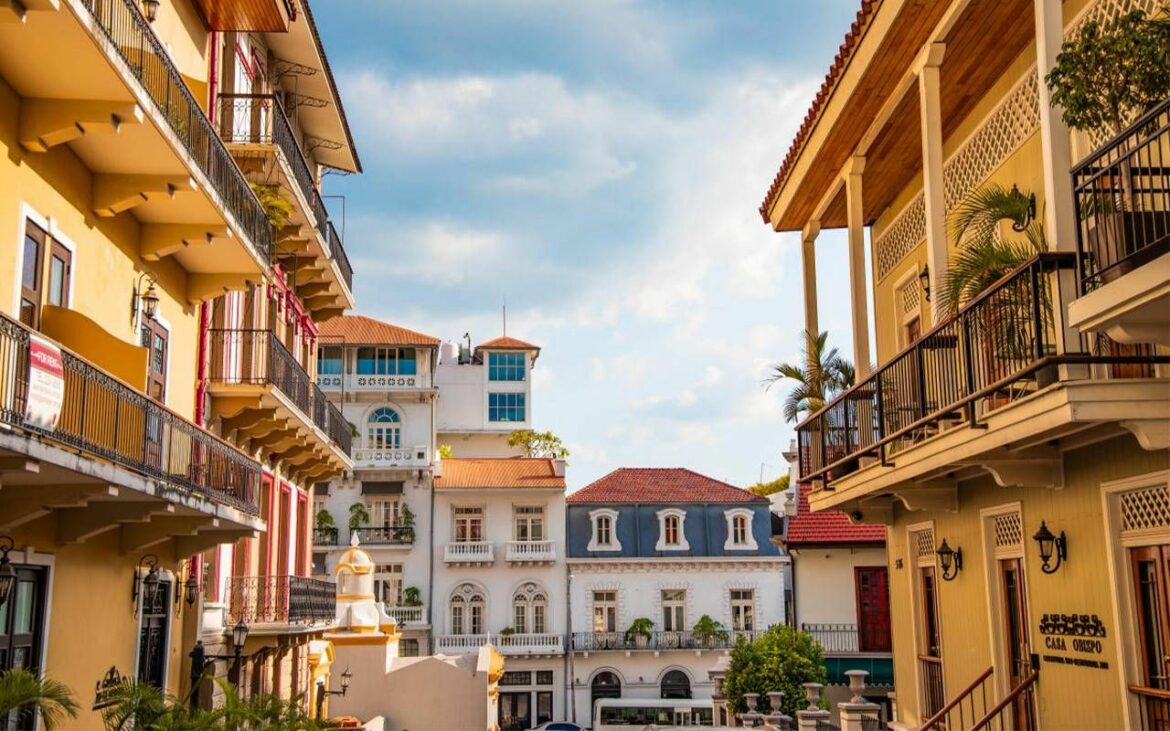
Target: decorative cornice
[(649, 565)]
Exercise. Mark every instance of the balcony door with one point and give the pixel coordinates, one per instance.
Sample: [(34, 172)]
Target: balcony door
[(22, 629), (154, 634), (1150, 568), (156, 340), (873, 608), (1014, 616)]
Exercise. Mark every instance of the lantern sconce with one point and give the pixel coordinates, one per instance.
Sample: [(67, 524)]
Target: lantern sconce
[(924, 281), (149, 582), (144, 301), (150, 9), (951, 560), (1051, 545), (1029, 209), (7, 572)]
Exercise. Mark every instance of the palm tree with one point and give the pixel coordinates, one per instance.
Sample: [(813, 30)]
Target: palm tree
[(983, 257), (24, 693), (824, 375)]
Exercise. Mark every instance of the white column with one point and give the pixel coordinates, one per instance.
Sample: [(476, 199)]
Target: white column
[(1059, 216), (857, 291), (808, 263), (932, 174)]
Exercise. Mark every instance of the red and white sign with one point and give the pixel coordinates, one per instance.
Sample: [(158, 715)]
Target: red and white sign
[(46, 383)]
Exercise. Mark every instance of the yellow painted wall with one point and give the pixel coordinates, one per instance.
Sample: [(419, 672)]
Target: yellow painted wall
[(1081, 586)]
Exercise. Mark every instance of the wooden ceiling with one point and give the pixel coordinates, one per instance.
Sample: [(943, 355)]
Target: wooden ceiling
[(245, 15)]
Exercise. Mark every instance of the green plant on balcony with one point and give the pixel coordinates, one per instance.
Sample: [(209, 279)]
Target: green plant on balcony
[(277, 209), (411, 597), (708, 631), (325, 520), (406, 523), (507, 632), (358, 516), (639, 631)]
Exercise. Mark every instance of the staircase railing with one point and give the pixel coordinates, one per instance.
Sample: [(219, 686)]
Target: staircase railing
[(1019, 700), (961, 709)]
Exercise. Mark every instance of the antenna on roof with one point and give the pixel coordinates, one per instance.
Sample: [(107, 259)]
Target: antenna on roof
[(505, 309)]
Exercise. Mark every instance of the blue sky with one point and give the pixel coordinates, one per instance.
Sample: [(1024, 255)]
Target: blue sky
[(598, 165)]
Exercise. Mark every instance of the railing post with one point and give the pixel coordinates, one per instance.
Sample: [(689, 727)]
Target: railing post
[(968, 366)]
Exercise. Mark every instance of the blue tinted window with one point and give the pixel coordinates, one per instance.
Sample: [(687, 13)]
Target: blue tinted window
[(505, 407), (386, 362), (505, 366), (329, 361)]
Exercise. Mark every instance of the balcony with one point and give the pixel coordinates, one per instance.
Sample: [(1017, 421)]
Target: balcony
[(125, 110), (999, 373), (266, 399), (277, 602), (834, 638), (407, 616), (367, 458), (531, 552), (1122, 194), (656, 641), (542, 644), (325, 537), (401, 535), (114, 456), (257, 131), (354, 382), (469, 553)]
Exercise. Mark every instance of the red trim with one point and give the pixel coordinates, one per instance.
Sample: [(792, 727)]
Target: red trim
[(304, 547)]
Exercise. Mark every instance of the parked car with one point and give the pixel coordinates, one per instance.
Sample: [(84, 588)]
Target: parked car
[(559, 726)]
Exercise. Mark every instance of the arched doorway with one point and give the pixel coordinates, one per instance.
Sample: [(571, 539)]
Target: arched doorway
[(605, 685), (676, 684)]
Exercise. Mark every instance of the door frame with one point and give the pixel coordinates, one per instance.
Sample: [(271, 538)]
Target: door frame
[(164, 575), (47, 561), (857, 571), (993, 584), (1121, 591), (915, 563)]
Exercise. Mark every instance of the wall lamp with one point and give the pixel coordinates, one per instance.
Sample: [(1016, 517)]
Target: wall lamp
[(7, 572), (924, 280), (322, 691), (1051, 545), (149, 582), (951, 560), (1029, 211), (150, 9), (146, 300)]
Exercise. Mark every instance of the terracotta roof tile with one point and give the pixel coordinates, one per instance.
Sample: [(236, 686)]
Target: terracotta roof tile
[(499, 473), (507, 343), (361, 330), (852, 40), (661, 485), (828, 526)]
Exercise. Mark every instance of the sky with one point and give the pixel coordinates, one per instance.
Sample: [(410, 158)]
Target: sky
[(597, 166)]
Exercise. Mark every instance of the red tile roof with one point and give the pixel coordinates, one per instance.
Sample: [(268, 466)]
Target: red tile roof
[(829, 526), (845, 53), (498, 473), (507, 343), (361, 330), (661, 485)]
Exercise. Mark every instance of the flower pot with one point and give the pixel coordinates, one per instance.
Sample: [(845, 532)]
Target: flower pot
[(641, 641)]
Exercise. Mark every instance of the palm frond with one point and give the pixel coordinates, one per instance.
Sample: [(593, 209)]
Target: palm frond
[(24, 693), (823, 373)]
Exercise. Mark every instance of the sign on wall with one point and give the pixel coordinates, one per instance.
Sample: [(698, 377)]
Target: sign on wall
[(1077, 637), (46, 383)]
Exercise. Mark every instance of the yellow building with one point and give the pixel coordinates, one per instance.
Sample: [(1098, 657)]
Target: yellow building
[(1041, 408), (134, 165)]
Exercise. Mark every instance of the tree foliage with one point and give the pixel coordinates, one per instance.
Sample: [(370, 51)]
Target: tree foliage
[(764, 489), (821, 375), (445, 451), (358, 516), (140, 707), (1108, 74), (276, 207), (24, 694), (782, 658), (538, 444)]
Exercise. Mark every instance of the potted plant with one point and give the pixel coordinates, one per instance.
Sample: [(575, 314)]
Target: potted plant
[(325, 524), (411, 597), (358, 516), (707, 631), (1105, 77), (639, 632), (406, 524), (277, 210)]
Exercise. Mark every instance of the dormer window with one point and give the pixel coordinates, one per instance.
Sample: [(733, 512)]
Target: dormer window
[(506, 366), (739, 530), (604, 536), (671, 536)]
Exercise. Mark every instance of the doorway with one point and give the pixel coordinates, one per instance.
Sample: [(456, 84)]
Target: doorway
[(515, 711), (873, 608), (1150, 568), (1017, 649)]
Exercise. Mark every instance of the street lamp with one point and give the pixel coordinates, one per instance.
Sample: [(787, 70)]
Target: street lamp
[(147, 300), (150, 9), (239, 637), (1050, 544), (950, 558), (191, 587), (149, 582), (924, 280), (322, 691), (7, 572)]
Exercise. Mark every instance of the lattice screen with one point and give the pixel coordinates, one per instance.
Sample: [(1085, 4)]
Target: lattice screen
[(911, 296), (1145, 509), (901, 236), (1009, 531), (923, 542)]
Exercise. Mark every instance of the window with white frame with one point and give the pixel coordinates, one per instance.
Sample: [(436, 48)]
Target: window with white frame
[(604, 535), (528, 522), (739, 530), (467, 610), (506, 366), (468, 524), (388, 584), (505, 407), (384, 512), (743, 610), (384, 429), (605, 611), (530, 610), (671, 535), (674, 610)]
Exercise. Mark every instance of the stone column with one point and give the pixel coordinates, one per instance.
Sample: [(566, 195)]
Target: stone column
[(808, 264), (857, 290), (930, 106), (1055, 146)]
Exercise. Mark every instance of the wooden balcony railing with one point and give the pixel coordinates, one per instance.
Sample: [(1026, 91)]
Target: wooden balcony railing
[(1153, 707), (934, 699), (103, 417), (1122, 194), (136, 44), (282, 600), (962, 710), (1000, 347)]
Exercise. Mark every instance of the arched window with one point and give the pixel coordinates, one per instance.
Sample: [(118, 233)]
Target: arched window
[(739, 530), (676, 684), (671, 535), (383, 429), (670, 530), (605, 685), (467, 610), (604, 536), (530, 610)]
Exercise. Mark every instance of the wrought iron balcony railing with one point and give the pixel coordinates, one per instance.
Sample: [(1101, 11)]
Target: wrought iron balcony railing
[(659, 640), (103, 417), (392, 535), (1122, 194), (834, 638), (1000, 347), (261, 119), (135, 43), (282, 600), (325, 536)]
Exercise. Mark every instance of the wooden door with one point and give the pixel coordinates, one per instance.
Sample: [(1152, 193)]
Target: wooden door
[(1150, 567), (154, 339), (873, 608), (1017, 650), (930, 663)]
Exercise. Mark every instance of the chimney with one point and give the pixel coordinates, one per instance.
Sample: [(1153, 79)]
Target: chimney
[(559, 467)]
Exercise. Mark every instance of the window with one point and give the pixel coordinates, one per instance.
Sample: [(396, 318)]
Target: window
[(155, 339), (60, 274), (383, 429), (676, 684), (329, 361), (34, 289), (408, 648), (528, 521), (674, 610), (604, 537), (468, 524), (506, 366), (743, 610), (384, 512), (530, 610), (154, 624), (386, 362), (739, 530), (22, 629), (671, 536), (605, 611), (388, 584), (505, 407), (467, 605)]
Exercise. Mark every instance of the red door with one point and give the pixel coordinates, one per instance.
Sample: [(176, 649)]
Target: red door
[(873, 608)]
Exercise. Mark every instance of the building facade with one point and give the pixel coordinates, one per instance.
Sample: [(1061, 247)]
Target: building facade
[(666, 569), (1016, 449)]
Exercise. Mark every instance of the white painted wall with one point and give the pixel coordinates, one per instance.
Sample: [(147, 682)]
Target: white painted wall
[(826, 592), (463, 399)]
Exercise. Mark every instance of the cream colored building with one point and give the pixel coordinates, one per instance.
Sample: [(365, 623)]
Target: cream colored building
[(969, 436)]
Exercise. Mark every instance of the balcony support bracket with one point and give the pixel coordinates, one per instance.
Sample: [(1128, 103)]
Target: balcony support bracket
[(25, 503), (46, 123), (933, 495), (164, 239), (205, 539), (114, 194), (204, 287), (1027, 472), (1152, 434), (140, 536), (250, 421), (76, 525)]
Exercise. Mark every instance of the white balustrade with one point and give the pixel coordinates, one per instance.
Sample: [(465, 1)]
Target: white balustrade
[(404, 457), (546, 643), (461, 643), (353, 382), (531, 551), (407, 615), (469, 552)]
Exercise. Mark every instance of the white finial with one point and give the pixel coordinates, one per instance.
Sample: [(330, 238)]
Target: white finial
[(353, 540)]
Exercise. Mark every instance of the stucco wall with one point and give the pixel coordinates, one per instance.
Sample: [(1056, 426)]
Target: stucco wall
[(826, 591)]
